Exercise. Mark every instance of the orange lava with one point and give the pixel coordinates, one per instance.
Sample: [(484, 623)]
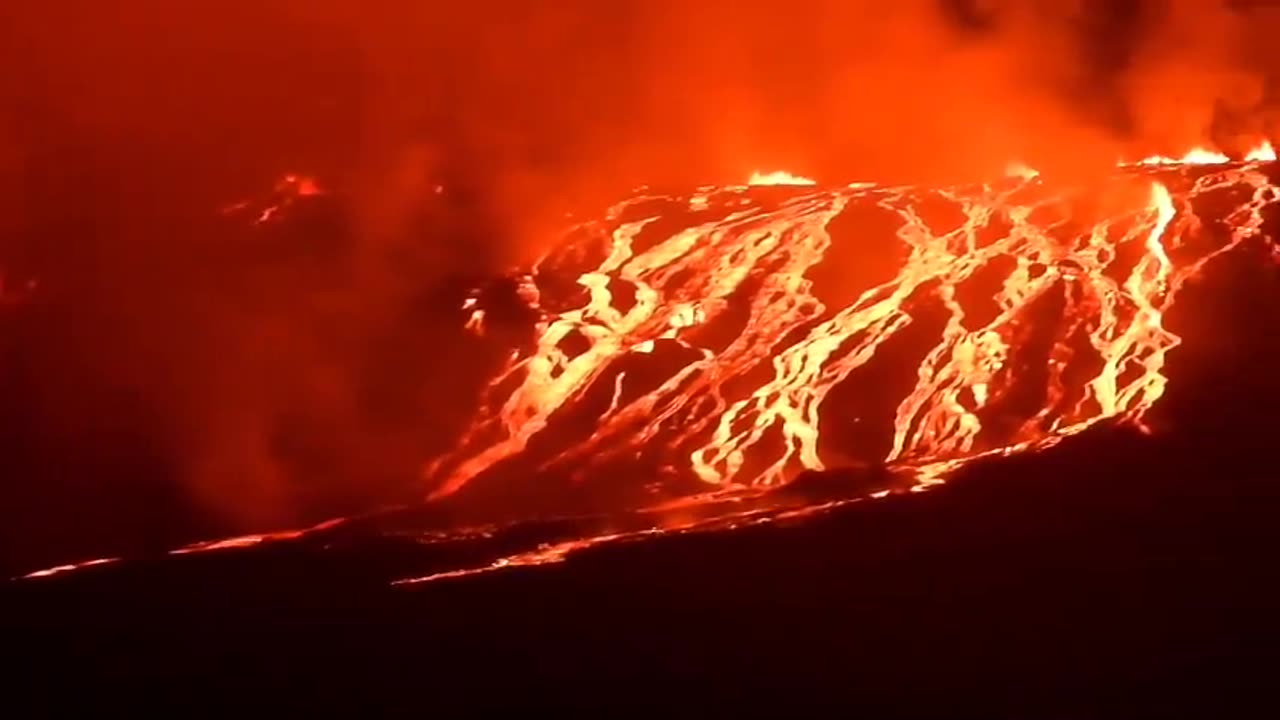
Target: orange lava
[(287, 191), (800, 349), (60, 569), (743, 415)]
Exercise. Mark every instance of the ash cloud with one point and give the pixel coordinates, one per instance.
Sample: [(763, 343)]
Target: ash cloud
[(569, 104), (126, 127)]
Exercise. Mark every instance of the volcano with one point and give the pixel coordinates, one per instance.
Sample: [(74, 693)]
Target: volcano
[(976, 445)]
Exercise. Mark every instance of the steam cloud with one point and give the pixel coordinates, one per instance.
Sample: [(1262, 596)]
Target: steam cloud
[(126, 127)]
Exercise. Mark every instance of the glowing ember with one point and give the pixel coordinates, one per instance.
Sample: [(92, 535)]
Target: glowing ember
[(778, 178)]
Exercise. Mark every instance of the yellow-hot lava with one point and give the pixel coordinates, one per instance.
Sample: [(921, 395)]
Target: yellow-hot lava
[(747, 411), (1072, 291), (1195, 156), (1261, 152), (778, 177)]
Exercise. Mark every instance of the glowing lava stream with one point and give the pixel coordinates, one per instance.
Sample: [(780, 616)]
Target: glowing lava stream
[(743, 414), (758, 255), (778, 177)]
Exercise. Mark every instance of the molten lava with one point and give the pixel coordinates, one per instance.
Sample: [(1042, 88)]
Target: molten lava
[(747, 411), (713, 352), (778, 178), (1262, 152), (288, 190)]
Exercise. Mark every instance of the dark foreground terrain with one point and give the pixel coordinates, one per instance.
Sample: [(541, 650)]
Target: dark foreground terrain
[(1115, 574)]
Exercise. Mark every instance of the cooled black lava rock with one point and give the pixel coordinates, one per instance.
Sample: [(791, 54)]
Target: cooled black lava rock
[(841, 482)]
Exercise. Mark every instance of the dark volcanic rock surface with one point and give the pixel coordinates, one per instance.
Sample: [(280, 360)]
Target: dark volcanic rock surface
[(1117, 574)]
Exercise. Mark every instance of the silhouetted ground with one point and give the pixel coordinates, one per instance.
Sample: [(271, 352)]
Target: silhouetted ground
[(1117, 574)]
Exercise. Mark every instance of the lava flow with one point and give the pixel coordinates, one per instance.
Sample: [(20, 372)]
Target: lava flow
[(746, 408), (715, 347)]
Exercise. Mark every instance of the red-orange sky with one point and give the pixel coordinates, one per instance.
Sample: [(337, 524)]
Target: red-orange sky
[(582, 95), (123, 126)]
